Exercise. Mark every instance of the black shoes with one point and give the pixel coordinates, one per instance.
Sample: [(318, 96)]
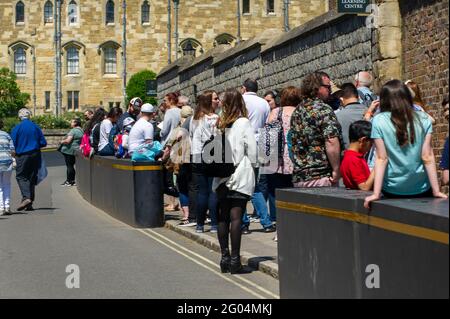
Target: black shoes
[(270, 229), (225, 262), (246, 230), (236, 266)]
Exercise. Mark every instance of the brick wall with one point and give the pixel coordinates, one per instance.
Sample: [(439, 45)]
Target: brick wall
[(425, 56)]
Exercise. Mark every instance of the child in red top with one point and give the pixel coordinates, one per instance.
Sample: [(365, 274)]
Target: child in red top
[(354, 168)]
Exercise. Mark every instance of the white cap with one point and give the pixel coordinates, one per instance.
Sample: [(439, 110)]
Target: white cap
[(148, 108), (128, 121)]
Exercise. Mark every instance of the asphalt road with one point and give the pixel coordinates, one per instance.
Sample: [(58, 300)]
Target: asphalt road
[(114, 260)]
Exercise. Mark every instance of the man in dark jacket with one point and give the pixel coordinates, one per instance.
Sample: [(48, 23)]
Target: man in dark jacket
[(28, 140)]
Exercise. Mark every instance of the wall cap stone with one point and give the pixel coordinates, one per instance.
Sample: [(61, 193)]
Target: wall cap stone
[(181, 62)]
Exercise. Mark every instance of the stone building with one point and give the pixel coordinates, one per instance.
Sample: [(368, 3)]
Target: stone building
[(92, 64)]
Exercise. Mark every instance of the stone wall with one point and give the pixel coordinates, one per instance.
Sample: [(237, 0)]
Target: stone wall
[(54, 137), (337, 44)]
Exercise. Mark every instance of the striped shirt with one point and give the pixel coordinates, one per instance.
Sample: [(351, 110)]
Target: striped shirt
[(6, 148)]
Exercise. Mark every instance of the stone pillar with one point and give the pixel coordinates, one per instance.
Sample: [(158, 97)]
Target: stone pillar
[(387, 39)]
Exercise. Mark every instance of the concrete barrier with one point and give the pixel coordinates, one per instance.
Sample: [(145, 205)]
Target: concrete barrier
[(129, 191), (330, 246)]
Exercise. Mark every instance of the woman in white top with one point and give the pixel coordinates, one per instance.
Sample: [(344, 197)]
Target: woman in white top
[(235, 191), (105, 148), (202, 127)]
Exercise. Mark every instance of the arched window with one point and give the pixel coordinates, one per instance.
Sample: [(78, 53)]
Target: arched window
[(270, 6), (224, 38), (73, 60), (191, 47), (110, 60), (20, 12), (20, 61), (48, 12), (73, 12), (145, 12), (245, 6), (109, 12)]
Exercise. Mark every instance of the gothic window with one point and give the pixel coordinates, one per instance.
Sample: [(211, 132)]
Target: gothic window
[(20, 61), (110, 57), (48, 12), (20, 12), (109, 12), (73, 60), (245, 6), (73, 12), (145, 12)]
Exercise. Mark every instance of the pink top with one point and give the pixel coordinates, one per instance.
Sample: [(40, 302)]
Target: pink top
[(286, 167)]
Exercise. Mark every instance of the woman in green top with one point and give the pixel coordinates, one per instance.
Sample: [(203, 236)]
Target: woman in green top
[(405, 164), (69, 145)]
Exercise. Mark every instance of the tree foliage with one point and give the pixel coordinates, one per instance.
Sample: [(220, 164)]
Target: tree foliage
[(137, 88), (11, 99)]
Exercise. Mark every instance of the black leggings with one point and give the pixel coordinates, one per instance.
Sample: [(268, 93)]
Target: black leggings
[(230, 211), (70, 164)]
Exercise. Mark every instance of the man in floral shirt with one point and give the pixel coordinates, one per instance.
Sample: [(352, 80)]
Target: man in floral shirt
[(315, 136)]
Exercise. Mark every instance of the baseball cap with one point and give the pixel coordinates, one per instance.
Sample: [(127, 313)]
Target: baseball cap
[(136, 102), (128, 121), (148, 108)]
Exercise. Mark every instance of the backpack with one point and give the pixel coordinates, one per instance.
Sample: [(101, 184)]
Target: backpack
[(225, 167), (85, 145), (271, 139)]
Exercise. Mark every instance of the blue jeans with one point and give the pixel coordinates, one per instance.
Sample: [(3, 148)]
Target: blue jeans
[(276, 181), (206, 199), (259, 200), (184, 200), (106, 151)]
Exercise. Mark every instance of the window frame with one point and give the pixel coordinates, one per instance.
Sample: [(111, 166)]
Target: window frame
[(72, 61), (48, 19), (23, 66), (108, 12), (72, 4), (249, 7), (267, 7), (109, 62), (18, 5), (145, 5), (48, 100)]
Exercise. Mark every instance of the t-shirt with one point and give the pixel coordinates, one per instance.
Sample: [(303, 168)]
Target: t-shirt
[(354, 169), (351, 113), (6, 149), (405, 173), (105, 129), (77, 134), (171, 120), (258, 111), (141, 131), (444, 159)]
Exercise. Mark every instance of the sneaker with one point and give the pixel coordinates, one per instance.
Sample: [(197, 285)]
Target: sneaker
[(66, 183), (73, 184), (270, 229), (200, 229), (2, 212), (213, 229), (208, 221), (7, 212), (187, 223), (29, 208), (254, 219)]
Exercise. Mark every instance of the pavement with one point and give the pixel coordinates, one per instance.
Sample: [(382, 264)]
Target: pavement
[(39, 250), (258, 249)]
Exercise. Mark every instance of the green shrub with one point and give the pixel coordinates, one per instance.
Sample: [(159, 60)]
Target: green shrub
[(11, 99), (137, 88), (9, 123)]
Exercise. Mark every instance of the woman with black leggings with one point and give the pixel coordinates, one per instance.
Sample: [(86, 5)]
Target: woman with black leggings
[(235, 191)]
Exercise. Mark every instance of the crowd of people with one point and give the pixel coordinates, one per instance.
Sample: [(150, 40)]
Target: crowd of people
[(318, 135)]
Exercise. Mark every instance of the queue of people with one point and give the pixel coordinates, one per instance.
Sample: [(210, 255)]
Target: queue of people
[(318, 135)]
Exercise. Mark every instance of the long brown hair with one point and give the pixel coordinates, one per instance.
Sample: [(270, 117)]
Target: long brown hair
[(396, 98), (204, 104), (233, 108), (417, 99)]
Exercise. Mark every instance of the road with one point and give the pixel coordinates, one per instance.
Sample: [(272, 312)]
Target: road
[(114, 260)]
